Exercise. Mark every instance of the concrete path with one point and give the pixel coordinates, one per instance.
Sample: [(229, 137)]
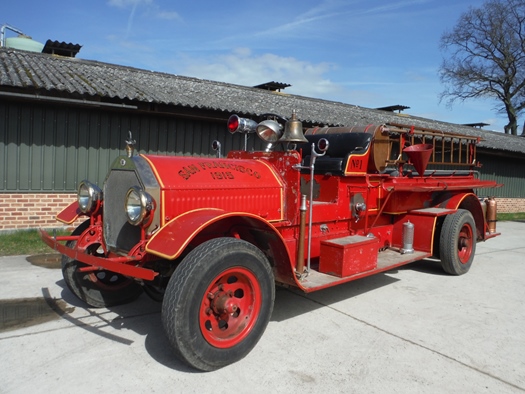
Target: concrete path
[(411, 330)]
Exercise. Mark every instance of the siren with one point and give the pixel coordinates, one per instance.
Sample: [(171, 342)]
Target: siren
[(236, 124)]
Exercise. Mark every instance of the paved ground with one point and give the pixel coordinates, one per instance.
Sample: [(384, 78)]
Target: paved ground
[(412, 330)]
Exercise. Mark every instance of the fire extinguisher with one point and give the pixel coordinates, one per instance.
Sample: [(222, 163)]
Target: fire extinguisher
[(492, 210)]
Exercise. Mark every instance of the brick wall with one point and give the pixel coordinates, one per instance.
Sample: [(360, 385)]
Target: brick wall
[(511, 205), (24, 210)]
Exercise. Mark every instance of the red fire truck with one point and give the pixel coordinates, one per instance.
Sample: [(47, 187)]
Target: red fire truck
[(211, 237)]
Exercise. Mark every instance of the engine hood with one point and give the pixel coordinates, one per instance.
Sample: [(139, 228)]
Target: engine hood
[(190, 172)]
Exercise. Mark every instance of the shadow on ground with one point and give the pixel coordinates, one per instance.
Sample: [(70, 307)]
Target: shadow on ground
[(143, 315)]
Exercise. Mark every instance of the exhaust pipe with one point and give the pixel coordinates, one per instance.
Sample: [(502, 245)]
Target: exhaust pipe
[(299, 267)]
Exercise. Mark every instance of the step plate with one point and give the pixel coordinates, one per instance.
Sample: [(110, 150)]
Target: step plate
[(386, 260)]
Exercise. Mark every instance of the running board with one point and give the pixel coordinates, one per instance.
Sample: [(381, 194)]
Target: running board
[(386, 260)]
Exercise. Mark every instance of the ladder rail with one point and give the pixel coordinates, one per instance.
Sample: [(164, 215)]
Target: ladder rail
[(448, 149)]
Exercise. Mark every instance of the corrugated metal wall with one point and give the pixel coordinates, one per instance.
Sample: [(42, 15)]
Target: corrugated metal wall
[(509, 171), (45, 147), (52, 148)]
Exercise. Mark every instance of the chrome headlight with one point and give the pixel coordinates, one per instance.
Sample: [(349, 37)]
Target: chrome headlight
[(138, 205), (89, 197)]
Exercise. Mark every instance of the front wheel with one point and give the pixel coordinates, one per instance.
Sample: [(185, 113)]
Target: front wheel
[(457, 244), (218, 303), (100, 288)]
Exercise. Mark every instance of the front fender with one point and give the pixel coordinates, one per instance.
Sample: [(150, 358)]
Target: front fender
[(69, 214), (170, 241)]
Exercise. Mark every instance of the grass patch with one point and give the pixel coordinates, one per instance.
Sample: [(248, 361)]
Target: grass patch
[(24, 242), (511, 216)]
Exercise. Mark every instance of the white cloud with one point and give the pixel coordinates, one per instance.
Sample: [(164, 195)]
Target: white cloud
[(128, 3), (387, 8), (151, 9), (243, 68), (168, 15)]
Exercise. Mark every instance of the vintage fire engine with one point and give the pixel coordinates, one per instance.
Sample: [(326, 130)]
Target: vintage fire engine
[(211, 237)]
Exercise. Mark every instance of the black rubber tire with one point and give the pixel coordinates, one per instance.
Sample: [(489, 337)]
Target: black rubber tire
[(153, 292), (97, 288), (457, 243), (187, 296)]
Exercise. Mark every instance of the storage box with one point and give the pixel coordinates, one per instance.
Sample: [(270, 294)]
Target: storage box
[(348, 255)]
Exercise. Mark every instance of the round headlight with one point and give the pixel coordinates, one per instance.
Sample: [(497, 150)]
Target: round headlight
[(269, 130), (138, 205), (88, 197), (323, 145)]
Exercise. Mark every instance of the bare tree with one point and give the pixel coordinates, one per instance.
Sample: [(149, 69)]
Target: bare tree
[(485, 57)]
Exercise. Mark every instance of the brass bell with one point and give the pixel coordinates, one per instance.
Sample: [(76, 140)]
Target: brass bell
[(293, 130)]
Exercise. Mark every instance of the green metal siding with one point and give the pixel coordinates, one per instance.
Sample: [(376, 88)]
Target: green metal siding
[(509, 171), (52, 148), (45, 147)]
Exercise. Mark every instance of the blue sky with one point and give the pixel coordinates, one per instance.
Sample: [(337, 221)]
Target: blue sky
[(362, 52)]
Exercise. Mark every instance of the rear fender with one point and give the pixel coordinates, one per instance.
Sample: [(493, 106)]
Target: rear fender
[(470, 202), (194, 227)]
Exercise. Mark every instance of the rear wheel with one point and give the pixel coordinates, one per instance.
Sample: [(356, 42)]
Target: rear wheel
[(218, 303), (457, 244), (99, 288)]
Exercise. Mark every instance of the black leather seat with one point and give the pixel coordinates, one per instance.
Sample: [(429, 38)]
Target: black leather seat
[(341, 147)]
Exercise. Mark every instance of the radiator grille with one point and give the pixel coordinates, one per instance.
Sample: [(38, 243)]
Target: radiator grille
[(118, 233)]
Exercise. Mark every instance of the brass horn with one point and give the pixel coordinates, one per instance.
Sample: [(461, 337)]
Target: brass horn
[(293, 130)]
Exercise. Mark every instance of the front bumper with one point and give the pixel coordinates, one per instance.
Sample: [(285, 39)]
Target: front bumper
[(125, 265)]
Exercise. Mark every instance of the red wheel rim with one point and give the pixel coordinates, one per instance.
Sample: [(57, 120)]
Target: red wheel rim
[(109, 281), (103, 279), (230, 307), (465, 243)]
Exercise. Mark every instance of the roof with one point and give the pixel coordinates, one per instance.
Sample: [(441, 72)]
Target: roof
[(45, 74)]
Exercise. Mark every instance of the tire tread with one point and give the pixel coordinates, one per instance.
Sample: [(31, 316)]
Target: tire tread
[(180, 288)]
